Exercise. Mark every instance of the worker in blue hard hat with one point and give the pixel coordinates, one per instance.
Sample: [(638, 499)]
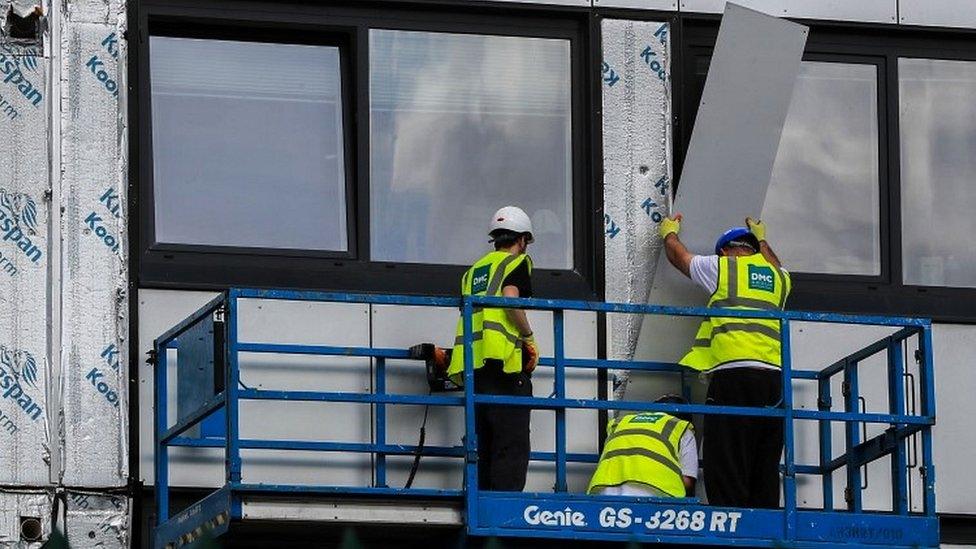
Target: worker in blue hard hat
[(742, 357)]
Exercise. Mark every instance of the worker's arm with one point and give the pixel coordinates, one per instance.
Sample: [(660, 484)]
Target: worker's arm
[(517, 316), (678, 255), (758, 228), (689, 485)]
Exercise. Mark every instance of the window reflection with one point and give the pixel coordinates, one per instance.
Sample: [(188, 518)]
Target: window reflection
[(822, 206), (938, 171), (247, 144), (461, 125)]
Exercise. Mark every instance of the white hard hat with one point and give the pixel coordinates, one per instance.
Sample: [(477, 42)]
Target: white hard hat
[(511, 218)]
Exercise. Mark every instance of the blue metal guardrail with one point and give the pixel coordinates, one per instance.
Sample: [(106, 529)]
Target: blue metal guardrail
[(561, 514)]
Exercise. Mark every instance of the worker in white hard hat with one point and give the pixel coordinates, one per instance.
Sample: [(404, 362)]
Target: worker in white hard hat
[(505, 352)]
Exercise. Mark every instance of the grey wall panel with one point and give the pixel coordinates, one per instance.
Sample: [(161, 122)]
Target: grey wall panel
[(938, 13), (736, 135), (872, 11), (273, 322)]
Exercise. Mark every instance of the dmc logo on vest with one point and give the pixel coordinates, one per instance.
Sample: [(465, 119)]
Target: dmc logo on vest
[(479, 279), (761, 278)]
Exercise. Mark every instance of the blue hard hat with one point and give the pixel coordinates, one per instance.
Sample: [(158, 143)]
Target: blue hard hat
[(740, 234)]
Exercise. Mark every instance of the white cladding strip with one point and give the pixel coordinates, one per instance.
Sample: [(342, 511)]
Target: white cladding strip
[(938, 13), (637, 167), (660, 5), (94, 269), (25, 411), (97, 520), (869, 11)]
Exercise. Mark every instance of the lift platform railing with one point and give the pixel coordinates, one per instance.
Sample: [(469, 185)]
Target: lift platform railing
[(561, 514)]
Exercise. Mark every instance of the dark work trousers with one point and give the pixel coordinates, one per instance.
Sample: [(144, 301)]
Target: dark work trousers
[(503, 431), (742, 453)]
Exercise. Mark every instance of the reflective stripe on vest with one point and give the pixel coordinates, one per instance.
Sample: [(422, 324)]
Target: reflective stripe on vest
[(643, 448), (494, 336), (721, 340)]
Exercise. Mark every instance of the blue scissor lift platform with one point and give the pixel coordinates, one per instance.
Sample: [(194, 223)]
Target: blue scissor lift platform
[(210, 390)]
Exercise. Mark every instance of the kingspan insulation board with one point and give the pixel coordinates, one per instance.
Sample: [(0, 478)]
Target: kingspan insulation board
[(25, 413), (727, 169), (96, 520), (637, 166), (26, 504), (93, 224)]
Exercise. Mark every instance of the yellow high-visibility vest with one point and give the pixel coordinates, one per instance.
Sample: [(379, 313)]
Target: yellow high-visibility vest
[(643, 448), (494, 335), (744, 282)]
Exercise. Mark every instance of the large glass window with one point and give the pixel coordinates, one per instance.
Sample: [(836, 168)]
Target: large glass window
[(460, 125), (248, 144), (938, 171), (822, 206)]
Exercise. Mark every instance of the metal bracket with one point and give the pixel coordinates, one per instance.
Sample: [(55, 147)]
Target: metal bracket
[(845, 388), (219, 313), (151, 358)]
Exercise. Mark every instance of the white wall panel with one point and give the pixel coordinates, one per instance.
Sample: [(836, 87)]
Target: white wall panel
[(872, 11), (954, 441), (280, 322), (659, 5), (401, 327), (938, 13)]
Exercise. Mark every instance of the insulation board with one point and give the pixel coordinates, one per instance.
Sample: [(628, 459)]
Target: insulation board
[(25, 411), (94, 269), (637, 165)]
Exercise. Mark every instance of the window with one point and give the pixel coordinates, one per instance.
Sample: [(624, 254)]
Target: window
[(461, 125), (823, 199), (938, 171), (248, 144), (349, 148)]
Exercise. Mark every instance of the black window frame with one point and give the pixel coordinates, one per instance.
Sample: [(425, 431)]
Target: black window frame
[(843, 42), (181, 266)]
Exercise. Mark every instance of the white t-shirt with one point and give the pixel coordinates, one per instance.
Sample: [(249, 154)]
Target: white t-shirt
[(687, 455), (704, 272)]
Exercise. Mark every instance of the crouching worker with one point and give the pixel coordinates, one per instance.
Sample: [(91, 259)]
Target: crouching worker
[(648, 454)]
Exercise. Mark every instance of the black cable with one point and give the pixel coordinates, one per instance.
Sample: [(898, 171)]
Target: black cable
[(420, 448)]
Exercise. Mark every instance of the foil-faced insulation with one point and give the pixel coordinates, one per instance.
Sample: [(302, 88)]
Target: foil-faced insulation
[(25, 412), (107, 12), (25, 519), (93, 224), (97, 520), (637, 166)]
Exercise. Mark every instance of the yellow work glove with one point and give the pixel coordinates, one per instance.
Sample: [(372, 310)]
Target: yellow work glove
[(757, 228), (530, 354), (669, 225)]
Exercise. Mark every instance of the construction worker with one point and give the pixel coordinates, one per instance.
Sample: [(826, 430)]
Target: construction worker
[(648, 454), (742, 358), (505, 352)]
